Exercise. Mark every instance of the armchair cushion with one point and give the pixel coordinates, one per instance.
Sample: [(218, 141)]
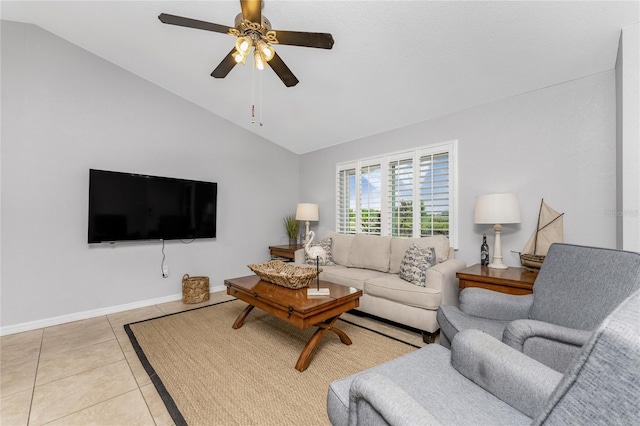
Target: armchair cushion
[(510, 375), (452, 320), (428, 376), (577, 286)]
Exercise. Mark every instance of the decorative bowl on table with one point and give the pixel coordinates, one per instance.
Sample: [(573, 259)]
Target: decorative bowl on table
[(285, 274)]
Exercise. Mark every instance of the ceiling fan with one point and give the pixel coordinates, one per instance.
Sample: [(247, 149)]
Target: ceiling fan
[(252, 30)]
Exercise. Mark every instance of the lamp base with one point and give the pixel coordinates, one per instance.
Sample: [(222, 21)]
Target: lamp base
[(318, 292), (497, 266)]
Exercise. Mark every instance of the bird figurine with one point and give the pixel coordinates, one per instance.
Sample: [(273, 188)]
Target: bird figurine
[(313, 252)]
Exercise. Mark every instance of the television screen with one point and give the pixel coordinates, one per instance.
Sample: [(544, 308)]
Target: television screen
[(129, 207)]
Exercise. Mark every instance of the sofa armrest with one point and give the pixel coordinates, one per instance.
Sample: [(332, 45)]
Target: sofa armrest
[(508, 374), (375, 399), (442, 277), (483, 303)]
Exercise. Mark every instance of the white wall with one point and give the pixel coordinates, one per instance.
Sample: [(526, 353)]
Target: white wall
[(64, 111), (628, 139), (556, 143)]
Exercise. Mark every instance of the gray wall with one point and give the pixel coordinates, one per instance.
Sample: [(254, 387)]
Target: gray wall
[(556, 143), (64, 111)]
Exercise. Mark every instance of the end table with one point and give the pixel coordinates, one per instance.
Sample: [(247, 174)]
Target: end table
[(512, 281), (285, 252)]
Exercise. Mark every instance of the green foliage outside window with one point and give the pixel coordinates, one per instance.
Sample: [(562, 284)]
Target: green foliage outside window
[(402, 221)]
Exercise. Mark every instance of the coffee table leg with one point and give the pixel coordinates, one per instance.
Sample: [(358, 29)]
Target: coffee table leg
[(240, 320), (305, 356)]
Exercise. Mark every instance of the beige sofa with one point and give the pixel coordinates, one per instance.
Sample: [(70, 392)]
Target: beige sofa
[(372, 264)]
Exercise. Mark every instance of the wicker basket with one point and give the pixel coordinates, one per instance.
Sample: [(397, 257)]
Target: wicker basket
[(285, 274), (195, 289)]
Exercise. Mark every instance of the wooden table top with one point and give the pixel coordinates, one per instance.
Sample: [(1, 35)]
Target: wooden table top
[(513, 275), (296, 299)]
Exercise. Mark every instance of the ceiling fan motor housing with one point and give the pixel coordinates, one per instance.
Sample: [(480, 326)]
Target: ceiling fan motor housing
[(244, 25)]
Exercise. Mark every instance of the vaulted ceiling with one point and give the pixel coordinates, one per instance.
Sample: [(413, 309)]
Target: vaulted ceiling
[(394, 63)]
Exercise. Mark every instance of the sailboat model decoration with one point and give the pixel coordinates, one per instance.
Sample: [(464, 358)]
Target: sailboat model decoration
[(549, 230)]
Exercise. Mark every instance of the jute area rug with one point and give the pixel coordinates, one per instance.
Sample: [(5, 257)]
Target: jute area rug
[(207, 373)]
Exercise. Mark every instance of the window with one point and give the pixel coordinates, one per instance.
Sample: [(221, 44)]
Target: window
[(404, 194), (370, 196), (346, 216)]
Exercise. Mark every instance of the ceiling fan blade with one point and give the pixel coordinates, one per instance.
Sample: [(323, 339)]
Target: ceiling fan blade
[(225, 66), (283, 71), (298, 38), (192, 23), (252, 10)]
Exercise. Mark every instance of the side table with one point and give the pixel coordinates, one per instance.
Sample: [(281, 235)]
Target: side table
[(284, 252), (512, 281)]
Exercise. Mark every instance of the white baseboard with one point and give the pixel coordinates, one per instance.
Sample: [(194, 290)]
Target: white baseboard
[(48, 322)]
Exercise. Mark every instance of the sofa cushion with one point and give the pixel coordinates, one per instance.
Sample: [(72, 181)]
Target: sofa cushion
[(370, 252), (340, 247), (351, 277), (394, 288), (399, 247), (325, 245), (415, 264)]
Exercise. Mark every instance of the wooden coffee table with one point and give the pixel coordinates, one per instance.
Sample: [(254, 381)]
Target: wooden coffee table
[(296, 308)]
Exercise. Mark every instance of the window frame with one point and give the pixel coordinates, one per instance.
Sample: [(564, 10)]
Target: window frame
[(450, 148)]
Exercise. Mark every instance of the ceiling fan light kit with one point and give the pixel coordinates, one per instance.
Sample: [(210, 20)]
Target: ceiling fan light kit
[(253, 31)]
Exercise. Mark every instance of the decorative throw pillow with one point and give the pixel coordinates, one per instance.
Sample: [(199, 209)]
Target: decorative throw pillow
[(433, 259), (327, 260), (415, 263)]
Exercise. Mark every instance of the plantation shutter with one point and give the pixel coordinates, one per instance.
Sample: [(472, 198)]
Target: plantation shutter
[(402, 194), (370, 199), (400, 198), (346, 205), (435, 194)]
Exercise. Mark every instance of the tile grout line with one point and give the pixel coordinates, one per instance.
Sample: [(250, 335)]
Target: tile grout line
[(85, 371), (35, 378), (146, 403), (90, 406)]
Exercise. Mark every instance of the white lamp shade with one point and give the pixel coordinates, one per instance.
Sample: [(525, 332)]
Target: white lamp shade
[(497, 209), (307, 211)]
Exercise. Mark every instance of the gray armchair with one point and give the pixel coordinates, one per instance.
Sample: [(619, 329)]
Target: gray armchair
[(482, 381), (575, 290)]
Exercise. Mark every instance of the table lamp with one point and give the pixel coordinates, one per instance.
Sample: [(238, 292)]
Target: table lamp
[(307, 212), (497, 209)]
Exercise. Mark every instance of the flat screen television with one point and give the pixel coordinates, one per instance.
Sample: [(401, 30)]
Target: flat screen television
[(130, 207)]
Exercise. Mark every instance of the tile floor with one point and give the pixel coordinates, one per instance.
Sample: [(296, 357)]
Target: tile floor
[(86, 372)]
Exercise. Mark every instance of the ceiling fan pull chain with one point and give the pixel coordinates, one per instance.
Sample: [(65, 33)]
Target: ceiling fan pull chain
[(260, 99), (253, 95)]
